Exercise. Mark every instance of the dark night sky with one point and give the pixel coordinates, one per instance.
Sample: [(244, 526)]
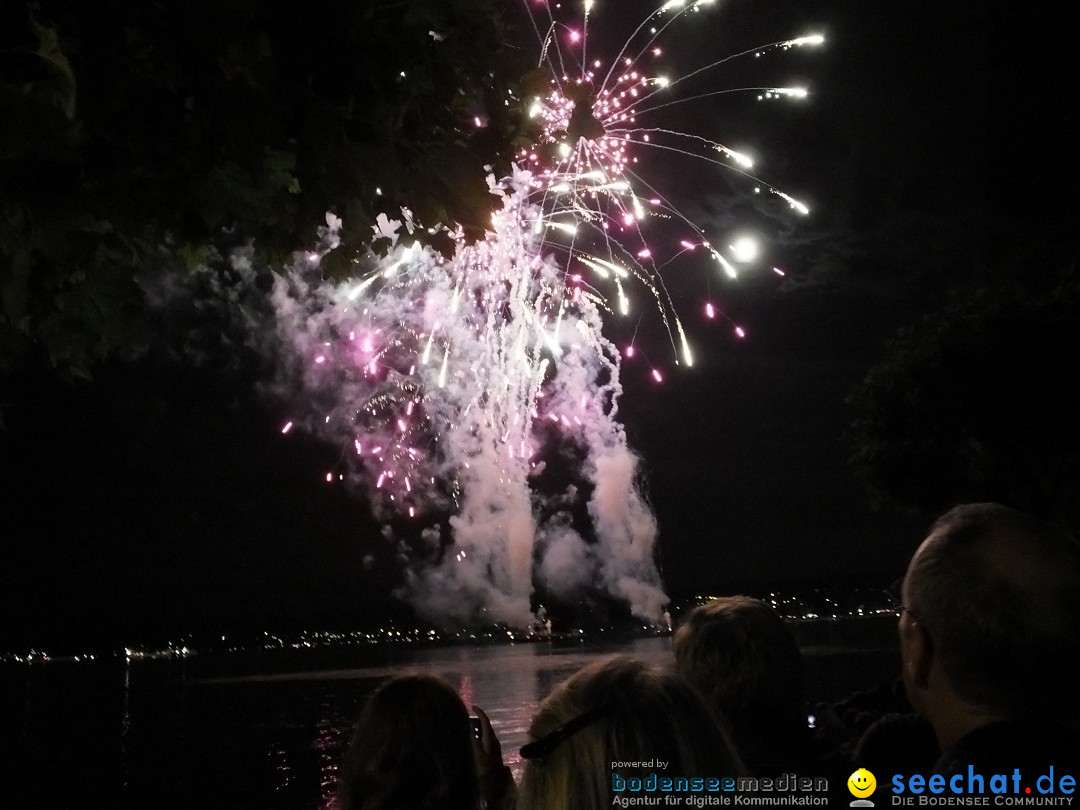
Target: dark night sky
[(936, 136)]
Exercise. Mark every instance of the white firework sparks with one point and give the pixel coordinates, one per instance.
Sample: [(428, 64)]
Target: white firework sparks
[(445, 378)]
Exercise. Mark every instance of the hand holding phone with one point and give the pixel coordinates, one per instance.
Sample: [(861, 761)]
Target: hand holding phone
[(495, 777)]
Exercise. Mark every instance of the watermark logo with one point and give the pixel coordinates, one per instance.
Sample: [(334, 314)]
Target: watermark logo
[(652, 789), (862, 784), (976, 788)]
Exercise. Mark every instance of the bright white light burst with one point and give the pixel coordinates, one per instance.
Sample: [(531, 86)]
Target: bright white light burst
[(449, 381)]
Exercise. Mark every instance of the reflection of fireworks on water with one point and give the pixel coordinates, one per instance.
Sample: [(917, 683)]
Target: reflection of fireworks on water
[(446, 378)]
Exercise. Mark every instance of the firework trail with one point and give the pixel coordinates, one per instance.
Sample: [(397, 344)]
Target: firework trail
[(448, 381)]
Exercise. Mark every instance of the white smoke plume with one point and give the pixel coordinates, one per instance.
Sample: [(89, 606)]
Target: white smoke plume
[(442, 378)]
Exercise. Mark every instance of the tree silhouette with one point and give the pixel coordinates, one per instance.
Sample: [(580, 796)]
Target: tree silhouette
[(978, 402), (132, 129)]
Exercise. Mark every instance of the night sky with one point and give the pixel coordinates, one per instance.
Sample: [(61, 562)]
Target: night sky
[(937, 135)]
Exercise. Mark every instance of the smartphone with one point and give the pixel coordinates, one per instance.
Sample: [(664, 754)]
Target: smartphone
[(477, 729)]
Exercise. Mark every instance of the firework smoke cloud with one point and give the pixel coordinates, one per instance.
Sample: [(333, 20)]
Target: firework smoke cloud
[(446, 381)]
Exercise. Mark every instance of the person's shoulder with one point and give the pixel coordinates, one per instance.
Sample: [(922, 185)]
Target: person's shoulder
[(901, 741), (1003, 746)]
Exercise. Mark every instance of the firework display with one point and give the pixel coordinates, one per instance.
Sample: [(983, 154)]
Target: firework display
[(447, 381)]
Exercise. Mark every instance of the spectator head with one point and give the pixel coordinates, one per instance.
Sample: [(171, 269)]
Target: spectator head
[(741, 656), (618, 710), (990, 623), (412, 748)]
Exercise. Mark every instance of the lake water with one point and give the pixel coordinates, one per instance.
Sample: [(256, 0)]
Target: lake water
[(269, 728)]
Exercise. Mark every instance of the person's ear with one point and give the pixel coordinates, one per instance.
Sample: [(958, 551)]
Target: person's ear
[(918, 651)]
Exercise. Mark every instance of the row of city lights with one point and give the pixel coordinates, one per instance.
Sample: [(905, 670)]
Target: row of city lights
[(867, 604)]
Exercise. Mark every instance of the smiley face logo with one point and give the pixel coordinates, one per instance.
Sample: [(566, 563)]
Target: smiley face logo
[(861, 783)]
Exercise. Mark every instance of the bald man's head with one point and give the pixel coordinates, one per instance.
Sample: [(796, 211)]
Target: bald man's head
[(998, 592)]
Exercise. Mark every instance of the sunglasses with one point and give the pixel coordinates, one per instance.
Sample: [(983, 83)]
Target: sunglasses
[(541, 748)]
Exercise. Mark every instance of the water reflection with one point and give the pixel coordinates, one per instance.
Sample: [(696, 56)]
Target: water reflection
[(507, 682), (332, 736), (125, 729), (255, 729)]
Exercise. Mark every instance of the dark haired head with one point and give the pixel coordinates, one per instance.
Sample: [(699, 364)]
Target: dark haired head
[(742, 657), (412, 749), (998, 593)]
